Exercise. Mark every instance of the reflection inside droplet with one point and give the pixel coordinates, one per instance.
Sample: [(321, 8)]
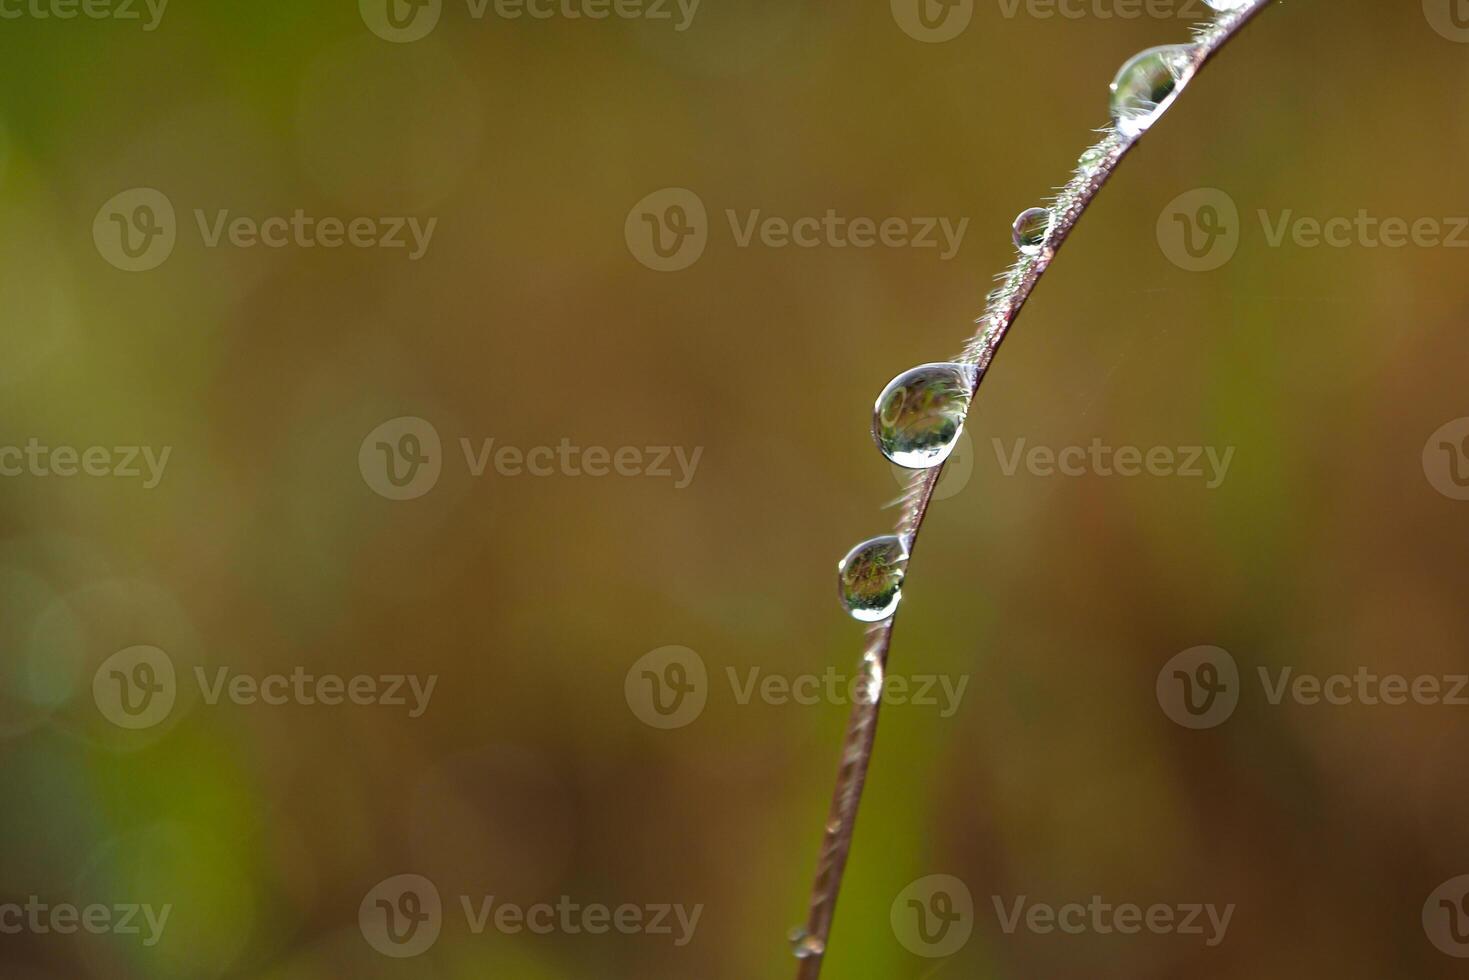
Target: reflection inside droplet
[(1147, 85), (1031, 229), (919, 415), (870, 578)]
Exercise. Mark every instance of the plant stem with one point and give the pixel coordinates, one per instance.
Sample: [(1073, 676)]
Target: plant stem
[(1003, 306)]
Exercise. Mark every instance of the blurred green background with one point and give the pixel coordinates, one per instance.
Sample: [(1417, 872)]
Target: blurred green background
[(530, 319)]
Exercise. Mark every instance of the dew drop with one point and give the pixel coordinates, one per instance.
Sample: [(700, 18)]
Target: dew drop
[(870, 578), (1091, 158), (919, 415), (1031, 229), (1229, 5), (1147, 85), (805, 946)]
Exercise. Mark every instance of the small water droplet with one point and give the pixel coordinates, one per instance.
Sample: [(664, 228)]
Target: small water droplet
[(805, 946), (1031, 229), (1147, 85), (870, 578), (919, 415), (1092, 157), (1228, 5)]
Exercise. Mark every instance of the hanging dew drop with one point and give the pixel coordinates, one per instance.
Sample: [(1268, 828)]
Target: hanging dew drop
[(1031, 230), (1147, 85), (803, 946), (870, 578), (919, 415)]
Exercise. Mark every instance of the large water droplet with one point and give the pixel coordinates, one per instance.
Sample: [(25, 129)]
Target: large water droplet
[(919, 415), (1228, 5), (1031, 229), (1147, 85), (870, 578), (805, 946)]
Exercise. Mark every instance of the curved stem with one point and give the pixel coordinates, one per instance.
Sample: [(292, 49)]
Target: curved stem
[(1003, 306)]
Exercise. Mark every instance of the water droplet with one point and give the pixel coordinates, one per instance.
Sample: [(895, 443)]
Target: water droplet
[(805, 946), (1228, 5), (1147, 85), (919, 415), (1031, 229), (870, 578), (1092, 157)]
